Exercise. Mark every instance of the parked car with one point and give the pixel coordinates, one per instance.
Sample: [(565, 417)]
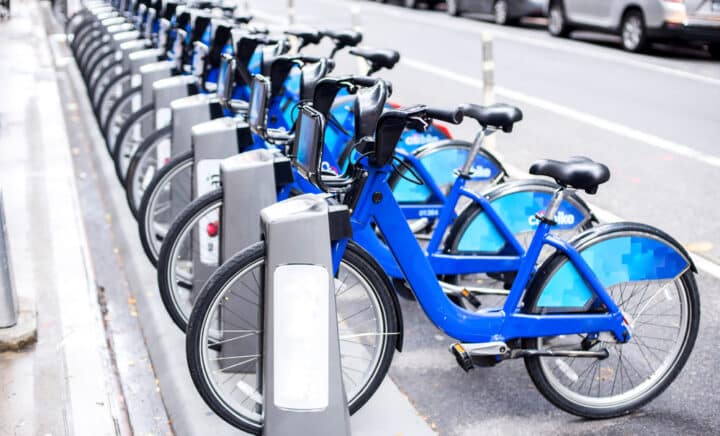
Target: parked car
[(502, 11), (414, 3), (639, 22)]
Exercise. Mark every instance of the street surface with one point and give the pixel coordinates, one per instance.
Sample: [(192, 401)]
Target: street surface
[(653, 119)]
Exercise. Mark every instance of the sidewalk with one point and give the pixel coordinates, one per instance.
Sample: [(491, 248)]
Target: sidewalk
[(64, 384)]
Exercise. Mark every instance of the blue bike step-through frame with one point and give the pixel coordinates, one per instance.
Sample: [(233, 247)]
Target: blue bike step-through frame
[(641, 257)]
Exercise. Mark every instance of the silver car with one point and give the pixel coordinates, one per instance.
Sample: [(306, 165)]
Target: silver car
[(502, 11), (640, 21)]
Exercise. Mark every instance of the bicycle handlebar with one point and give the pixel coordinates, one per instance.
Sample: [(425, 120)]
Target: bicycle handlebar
[(452, 116)]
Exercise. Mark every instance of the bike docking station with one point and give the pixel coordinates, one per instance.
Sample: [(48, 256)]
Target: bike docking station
[(250, 183), (303, 391), (213, 141)]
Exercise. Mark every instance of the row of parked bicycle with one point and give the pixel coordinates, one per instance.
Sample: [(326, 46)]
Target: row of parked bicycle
[(638, 23), (605, 316)]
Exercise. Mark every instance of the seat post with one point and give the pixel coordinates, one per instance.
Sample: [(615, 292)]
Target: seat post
[(477, 143), (553, 206)]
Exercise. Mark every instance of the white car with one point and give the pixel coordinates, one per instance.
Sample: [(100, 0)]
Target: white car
[(640, 21)]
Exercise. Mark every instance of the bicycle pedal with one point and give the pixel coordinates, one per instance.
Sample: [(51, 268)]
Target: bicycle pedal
[(462, 356), (470, 298)]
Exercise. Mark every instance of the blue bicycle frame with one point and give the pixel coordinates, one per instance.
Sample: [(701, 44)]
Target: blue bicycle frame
[(376, 204)]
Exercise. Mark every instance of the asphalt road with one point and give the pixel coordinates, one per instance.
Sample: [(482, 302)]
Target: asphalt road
[(654, 119)]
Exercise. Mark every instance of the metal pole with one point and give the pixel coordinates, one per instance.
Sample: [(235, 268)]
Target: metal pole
[(488, 69), (362, 67), (246, 5), (291, 12), (488, 72), (8, 298)]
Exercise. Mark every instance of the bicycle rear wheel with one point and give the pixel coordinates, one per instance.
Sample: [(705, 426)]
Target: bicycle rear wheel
[(662, 311), (367, 323)]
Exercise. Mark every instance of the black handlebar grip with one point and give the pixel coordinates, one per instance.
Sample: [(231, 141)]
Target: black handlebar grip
[(453, 116)]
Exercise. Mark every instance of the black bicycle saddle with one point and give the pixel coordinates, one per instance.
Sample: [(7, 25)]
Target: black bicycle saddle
[(378, 58), (577, 172), (500, 115)]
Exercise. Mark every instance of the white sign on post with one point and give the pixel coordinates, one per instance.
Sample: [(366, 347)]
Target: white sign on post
[(301, 302)]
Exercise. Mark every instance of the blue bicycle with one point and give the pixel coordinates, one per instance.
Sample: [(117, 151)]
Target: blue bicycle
[(604, 324)]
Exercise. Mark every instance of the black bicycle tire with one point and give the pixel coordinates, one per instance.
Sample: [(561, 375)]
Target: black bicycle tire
[(144, 147), (93, 68), (164, 263), (247, 257), (96, 95), (112, 112), (102, 121), (149, 194), (117, 151)]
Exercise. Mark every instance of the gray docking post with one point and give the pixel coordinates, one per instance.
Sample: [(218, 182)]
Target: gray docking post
[(302, 373), (212, 142), (249, 185)]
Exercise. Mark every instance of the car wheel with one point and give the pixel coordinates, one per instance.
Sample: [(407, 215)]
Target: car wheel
[(453, 8), (557, 21), (714, 50), (633, 32), (500, 12), (412, 4)]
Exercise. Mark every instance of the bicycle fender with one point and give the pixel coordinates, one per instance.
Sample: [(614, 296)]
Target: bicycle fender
[(616, 253)]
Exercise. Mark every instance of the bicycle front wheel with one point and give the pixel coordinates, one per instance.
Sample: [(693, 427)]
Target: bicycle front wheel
[(138, 125), (116, 106), (153, 153), (168, 193), (183, 246), (231, 384)]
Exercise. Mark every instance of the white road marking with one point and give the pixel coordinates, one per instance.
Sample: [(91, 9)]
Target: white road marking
[(583, 117), (581, 49)]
